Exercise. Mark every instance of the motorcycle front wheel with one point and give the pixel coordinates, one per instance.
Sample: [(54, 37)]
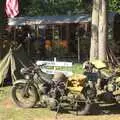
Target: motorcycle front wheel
[(24, 98)]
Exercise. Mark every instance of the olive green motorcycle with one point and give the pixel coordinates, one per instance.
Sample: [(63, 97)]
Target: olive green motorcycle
[(55, 93), (104, 80)]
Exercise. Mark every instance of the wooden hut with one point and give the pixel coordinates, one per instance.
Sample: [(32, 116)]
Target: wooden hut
[(54, 36), (60, 36)]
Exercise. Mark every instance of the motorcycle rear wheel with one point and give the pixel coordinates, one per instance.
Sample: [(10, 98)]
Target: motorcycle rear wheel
[(24, 100), (84, 108)]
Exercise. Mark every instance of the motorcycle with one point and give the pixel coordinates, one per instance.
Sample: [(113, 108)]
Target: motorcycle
[(54, 91), (26, 92), (106, 85)]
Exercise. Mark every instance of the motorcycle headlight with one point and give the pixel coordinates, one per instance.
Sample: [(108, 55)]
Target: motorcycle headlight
[(22, 70), (27, 77)]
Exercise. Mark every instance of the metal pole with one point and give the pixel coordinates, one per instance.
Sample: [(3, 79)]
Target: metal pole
[(78, 48)]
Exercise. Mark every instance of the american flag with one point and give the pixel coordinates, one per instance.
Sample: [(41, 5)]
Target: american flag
[(12, 8)]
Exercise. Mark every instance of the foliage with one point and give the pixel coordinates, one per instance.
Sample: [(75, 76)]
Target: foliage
[(114, 5), (1, 11), (77, 68), (54, 7)]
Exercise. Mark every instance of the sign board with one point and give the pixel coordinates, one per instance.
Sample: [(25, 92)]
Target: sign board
[(67, 73), (56, 64)]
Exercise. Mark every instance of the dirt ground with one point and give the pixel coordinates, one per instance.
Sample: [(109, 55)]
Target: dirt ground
[(9, 111)]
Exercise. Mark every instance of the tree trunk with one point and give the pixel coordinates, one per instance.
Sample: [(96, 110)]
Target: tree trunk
[(102, 29), (94, 30)]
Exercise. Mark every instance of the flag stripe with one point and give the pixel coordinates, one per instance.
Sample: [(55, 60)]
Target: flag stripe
[(12, 8)]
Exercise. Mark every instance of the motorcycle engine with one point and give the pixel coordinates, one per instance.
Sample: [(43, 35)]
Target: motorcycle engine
[(47, 101), (108, 97)]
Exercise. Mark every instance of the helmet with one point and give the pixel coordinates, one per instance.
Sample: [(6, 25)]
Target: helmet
[(59, 76)]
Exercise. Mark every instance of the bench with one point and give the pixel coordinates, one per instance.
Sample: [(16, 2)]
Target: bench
[(51, 67)]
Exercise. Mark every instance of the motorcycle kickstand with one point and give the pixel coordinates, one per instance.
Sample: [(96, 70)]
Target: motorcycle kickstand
[(58, 108), (76, 104)]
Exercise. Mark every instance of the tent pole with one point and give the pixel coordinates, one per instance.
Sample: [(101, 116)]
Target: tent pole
[(14, 33)]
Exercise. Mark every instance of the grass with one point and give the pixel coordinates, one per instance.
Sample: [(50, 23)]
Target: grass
[(77, 68), (9, 111), (3, 93)]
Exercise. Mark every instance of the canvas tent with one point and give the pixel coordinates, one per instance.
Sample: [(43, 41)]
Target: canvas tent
[(6, 63), (13, 61)]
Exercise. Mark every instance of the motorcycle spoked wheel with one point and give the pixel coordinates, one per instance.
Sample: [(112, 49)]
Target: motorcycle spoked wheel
[(83, 108), (22, 99)]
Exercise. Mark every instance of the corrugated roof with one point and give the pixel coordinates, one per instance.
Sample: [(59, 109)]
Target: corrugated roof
[(48, 20), (55, 19)]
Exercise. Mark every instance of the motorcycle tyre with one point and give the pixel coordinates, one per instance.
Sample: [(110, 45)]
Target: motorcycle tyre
[(85, 110), (14, 97)]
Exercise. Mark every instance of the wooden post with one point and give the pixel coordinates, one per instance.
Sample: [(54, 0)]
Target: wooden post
[(54, 63), (78, 45), (28, 44), (67, 32), (53, 30), (78, 49)]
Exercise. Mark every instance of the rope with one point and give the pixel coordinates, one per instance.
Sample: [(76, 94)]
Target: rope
[(21, 62)]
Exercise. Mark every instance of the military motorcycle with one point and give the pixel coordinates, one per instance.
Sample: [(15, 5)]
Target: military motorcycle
[(105, 82), (27, 92), (52, 91)]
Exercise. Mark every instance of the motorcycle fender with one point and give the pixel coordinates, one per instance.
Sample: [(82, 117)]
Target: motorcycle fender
[(24, 82), (20, 81)]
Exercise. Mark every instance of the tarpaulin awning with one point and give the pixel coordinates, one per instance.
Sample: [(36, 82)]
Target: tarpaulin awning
[(5, 63)]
